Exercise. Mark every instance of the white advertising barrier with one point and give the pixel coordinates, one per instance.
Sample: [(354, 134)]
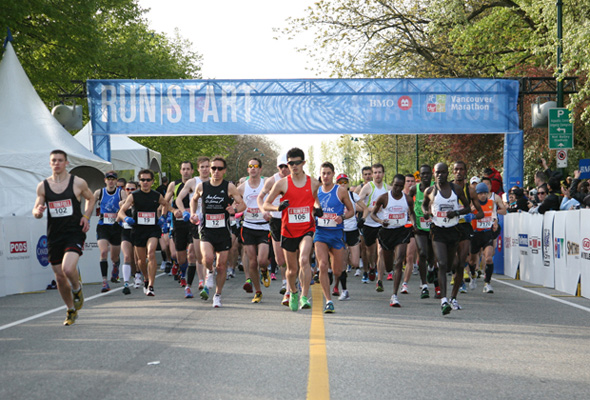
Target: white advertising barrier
[(511, 249), (585, 252), (572, 248), (548, 249), (24, 257), (565, 280), (531, 267)]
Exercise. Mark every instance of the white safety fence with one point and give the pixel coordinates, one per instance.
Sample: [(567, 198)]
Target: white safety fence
[(23, 256), (552, 250)]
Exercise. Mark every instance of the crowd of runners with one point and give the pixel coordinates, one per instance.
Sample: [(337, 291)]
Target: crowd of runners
[(290, 227)]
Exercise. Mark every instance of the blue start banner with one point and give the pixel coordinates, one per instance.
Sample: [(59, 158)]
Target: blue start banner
[(315, 106)]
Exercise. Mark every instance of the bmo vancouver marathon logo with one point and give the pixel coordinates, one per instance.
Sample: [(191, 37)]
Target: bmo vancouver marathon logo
[(43, 251)]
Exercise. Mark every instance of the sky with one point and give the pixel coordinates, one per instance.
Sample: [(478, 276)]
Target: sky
[(236, 40)]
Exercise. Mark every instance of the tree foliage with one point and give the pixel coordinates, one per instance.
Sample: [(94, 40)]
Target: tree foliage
[(455, 38)]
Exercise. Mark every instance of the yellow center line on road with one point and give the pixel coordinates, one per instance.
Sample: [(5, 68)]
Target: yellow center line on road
[(318, 384)]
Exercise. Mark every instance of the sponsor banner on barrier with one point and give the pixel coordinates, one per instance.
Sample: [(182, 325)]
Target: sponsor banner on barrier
[(547, 244), (562, 276), (511, 248), (585, 252), (532, 269), (2, 260), (572, 248)]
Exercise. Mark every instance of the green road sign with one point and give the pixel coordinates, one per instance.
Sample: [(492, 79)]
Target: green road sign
[(561, 130)]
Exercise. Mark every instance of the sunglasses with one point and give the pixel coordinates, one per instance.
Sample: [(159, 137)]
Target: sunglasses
[(298, 162), (217, 168), (541, 192), (253, 166), (283, 166), (145, 180), (342, 181), (130, 189)]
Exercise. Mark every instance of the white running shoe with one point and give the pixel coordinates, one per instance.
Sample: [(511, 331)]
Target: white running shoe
[(210, 282), (473, 284), (231, 273), (415, 269), (455, 304), (138, 281), (394, 302), (404, 288), (344, 295), (216, 301), (488, 288), (358, 272), (163, 266)]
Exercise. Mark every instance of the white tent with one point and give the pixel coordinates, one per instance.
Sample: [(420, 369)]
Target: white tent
[(28, 133), (126, 153)]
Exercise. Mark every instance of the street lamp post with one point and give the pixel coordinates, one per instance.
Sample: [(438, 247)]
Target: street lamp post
[(255, 149)]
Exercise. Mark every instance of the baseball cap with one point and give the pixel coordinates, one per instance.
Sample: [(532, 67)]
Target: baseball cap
[(474, 179), (111, 174), (282, 159), (341, 176), (481, 188)]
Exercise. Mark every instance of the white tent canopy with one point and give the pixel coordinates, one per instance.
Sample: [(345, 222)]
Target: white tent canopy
[(126, 153), (28, 133)]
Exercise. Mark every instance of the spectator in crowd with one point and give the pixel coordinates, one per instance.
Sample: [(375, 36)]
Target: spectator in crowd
[(549, 196), (578, 189), (516, 200), (496, 178), (568, 202), (164, 186)]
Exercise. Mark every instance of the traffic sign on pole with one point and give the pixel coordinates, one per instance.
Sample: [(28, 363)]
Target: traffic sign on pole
[(561, 130)]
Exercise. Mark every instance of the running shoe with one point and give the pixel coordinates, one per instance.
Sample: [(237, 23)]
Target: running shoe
[(294, 301), (283, 288), (415, 269), (372, 274), (217, 301), (105, 287), (394, 302), (188, 294), (285, 300), (365, 278), (445, 308), (431, 275), (210, 280), (379, 287), (404, 288), (466, 276), (201, 284), (204, 293), (455, 305), (390, 276), (348, 268), (316, 278), (265, 278), (344, 295), (257, 297), (304, 303), (174, 269), (126, 289), (425, 293), (182, 282), (163, 266), (231, 273), (358, 272), (71, 317), (488, 288), (78, 298), (115, 274), (150, 292), (168, 268), (248, 286), (145, 287), (329, 308), (273, 276), (335, 292), (437, 292), (452, 280), (473, 283), (463, 288), (138, 281)]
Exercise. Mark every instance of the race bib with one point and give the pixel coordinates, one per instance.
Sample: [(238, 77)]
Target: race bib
[(425, 223), (328, 220), (252, 214), (109, 218), (61, 208), (298, 215), (146, 218), (397, 219), (485, 223), (215, 221)]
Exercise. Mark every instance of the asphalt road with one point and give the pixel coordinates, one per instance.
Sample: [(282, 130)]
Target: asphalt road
[(520, 343)]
